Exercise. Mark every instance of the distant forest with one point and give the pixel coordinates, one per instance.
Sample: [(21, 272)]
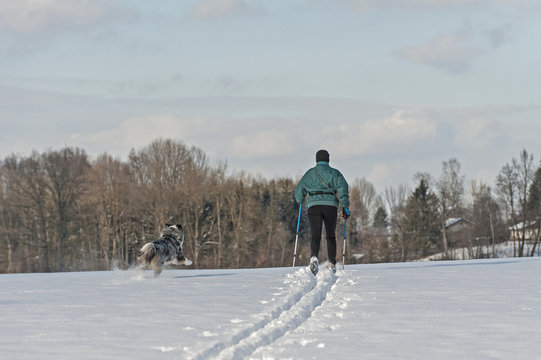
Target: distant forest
[(62, 211)]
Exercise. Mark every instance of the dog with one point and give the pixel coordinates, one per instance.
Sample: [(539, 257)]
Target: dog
[(166, 250)]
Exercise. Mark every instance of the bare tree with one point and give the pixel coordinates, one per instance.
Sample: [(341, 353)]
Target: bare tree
[(28, 204), (513, 184), (197, 208), (236, 201), (396, 199), (489, 227), (450, 192), (217, 186), (109, 198), (365, 200), (66, 170), (158, 173), (6, 243), (60, 211)]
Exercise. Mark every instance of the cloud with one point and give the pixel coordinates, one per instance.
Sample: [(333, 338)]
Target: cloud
[(444, 3), (30, 16), (140, 131), (499, 35), (397, 131), (219, 137), (448, 52), (262, 144), (477, 132), (215, 9), (362, 6), (380, 172)]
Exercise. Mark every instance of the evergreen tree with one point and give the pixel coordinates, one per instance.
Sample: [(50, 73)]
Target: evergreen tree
[(534, 197), (534, 209), (421, 225), (380, 218)]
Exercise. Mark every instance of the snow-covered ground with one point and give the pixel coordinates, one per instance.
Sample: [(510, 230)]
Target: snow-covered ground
[(482, 309), (502, 250)]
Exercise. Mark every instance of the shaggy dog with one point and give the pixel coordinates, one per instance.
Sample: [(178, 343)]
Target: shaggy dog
[(167, 249)]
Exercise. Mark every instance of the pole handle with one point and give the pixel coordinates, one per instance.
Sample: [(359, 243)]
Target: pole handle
[(299, 218), (297, 235), (344, 247)]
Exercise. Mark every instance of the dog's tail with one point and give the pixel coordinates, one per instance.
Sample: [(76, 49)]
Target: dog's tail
[(147, 252)]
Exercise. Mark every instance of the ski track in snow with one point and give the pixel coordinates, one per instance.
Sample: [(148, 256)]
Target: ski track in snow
[(309, 293)]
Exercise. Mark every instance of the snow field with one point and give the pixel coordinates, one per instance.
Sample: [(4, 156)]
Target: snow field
[(295, 309), (482, 309)]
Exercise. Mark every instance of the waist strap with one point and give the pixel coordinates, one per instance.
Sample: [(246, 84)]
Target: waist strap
[(320, 193)]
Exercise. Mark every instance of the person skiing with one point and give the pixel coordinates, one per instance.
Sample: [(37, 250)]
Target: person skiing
[(326, 189)]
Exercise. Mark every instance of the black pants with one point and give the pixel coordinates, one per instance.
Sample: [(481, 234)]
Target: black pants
[(319, 214)]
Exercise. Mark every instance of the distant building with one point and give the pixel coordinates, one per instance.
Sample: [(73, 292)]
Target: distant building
[(454, 225), (458, 232), (531, 231)]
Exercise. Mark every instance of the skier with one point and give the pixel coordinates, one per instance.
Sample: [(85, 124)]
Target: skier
[(326, 189)]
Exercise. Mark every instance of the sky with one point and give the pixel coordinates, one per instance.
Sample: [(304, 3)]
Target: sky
[(389, 87)]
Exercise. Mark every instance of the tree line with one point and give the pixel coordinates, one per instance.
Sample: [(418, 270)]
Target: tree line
[(62, 211)]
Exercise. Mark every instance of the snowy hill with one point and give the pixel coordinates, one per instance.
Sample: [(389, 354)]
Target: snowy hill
[(483, 309), (502, 250)]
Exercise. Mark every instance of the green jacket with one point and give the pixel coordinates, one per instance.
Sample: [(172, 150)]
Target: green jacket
[(318, 193)]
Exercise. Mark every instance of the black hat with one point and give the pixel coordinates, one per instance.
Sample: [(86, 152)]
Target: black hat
[(322, 155)]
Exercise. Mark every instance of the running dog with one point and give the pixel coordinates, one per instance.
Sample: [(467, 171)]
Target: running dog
[(167, 249)]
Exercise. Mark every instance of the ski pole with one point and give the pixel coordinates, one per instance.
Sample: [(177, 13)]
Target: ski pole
[(344, 247), (297, 236)]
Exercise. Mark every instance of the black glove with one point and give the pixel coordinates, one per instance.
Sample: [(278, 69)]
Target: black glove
[(345, 213)]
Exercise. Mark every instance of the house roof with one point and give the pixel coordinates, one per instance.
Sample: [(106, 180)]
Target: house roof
[(452, 221)]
